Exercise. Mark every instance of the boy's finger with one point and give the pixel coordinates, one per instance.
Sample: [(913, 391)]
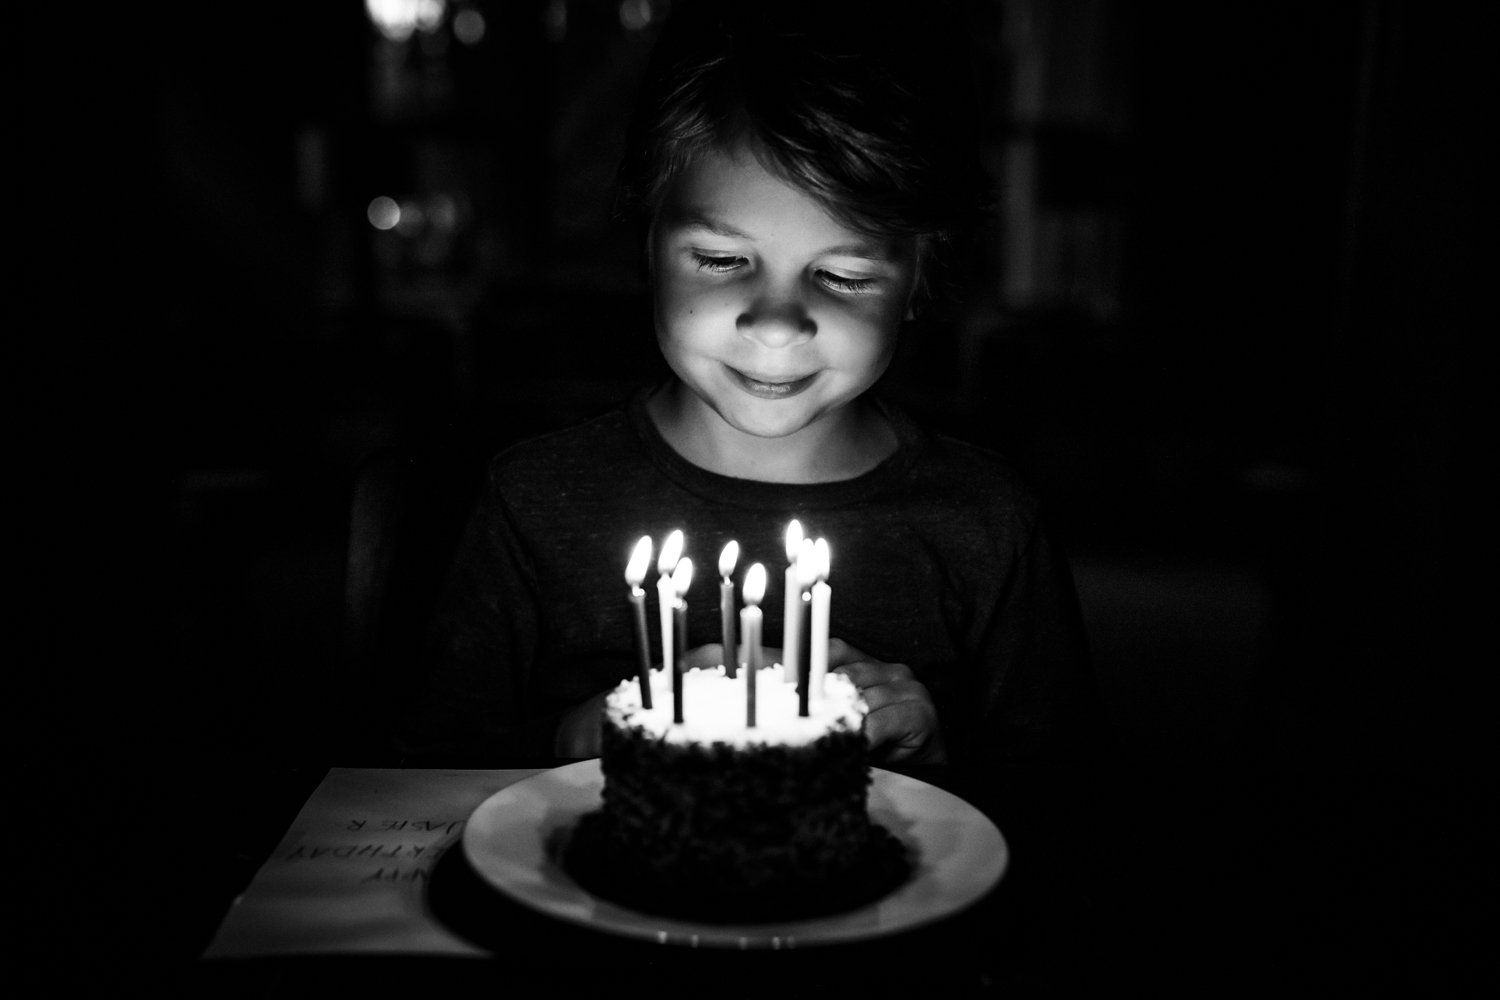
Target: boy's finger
[(862, 673), (870, 673), (840, 653)]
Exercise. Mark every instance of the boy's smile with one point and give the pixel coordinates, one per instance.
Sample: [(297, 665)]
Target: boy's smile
[(771, 388), (775, 316)]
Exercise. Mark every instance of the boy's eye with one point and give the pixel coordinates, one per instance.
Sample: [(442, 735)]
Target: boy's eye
[(843, 284), (719, 265)]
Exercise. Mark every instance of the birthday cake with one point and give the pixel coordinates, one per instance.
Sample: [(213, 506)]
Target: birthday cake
[(713, 820)]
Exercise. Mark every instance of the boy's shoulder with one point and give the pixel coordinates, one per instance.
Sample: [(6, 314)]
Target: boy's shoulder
[(960, 470), (591, 446), (975, 474), (969, 501)]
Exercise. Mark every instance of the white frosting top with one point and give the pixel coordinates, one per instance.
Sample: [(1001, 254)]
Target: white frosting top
[(713, 708)]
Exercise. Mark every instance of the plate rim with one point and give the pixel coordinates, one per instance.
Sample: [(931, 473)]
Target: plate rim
[(906, 907)]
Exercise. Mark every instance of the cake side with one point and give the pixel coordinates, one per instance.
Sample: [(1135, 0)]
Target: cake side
[(760, 824), (764, 795)]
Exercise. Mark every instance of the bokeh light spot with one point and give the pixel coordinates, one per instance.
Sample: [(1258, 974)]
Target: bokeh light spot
[(383, 213), (555, 20), (397, 19), (635, 14), (468, 26), (410, 218)]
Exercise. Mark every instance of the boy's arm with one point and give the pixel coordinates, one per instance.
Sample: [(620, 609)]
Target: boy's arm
[(482, 642), (1033, 699), (1039, 752)]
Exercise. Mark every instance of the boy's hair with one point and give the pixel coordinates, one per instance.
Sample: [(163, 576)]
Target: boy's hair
[(871, 113)]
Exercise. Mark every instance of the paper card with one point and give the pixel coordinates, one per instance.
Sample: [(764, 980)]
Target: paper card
[(351, 873)]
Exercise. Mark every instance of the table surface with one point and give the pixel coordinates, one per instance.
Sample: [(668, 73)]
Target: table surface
[(1203, 883), (369, 884), (1177, 875), (353, 872)]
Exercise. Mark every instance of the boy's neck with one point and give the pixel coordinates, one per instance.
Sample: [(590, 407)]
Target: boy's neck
[(839, 446)]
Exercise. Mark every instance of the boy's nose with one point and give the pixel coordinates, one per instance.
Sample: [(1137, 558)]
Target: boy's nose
[(779, 323)]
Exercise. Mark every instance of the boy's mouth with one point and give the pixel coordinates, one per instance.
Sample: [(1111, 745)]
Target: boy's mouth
[(772, 388)]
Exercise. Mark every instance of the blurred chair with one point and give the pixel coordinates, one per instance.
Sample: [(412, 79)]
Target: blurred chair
[(408, 508)]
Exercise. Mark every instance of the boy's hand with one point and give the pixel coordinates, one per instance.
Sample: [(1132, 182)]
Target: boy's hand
[(578, 733), (902, 726)]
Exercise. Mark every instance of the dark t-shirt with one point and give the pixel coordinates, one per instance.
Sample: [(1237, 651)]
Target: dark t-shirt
[(939, 562)]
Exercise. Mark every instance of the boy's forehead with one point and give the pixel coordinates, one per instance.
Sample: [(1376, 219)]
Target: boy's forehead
[(735, 197)]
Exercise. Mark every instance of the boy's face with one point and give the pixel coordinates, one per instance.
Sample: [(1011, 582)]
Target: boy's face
[(772, 312)]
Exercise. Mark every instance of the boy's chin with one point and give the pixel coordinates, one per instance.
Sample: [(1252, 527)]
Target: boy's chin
[(771, 421)]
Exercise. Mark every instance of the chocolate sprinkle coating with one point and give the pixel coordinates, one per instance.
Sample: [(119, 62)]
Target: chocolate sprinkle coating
[(727, 834)]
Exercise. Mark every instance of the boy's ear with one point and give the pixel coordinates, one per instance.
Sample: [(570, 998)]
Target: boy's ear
[(923, 251), (913, 299)]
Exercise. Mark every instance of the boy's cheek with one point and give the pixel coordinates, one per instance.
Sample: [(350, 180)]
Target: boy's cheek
[(882, 313), (684, 311)]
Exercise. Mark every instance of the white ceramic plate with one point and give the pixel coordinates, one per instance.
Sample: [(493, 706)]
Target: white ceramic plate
[(960, 857)]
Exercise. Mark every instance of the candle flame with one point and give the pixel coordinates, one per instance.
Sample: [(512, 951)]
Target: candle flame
[(807, 564), (728, 558), (635, 570), (823, 561), (671, 551), (755, 584), (682, 578), (793, 540)]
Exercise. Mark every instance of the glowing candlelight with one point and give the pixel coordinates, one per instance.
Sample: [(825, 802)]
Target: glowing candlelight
[(635, 575), (822, 598), (671, 552), (682, 578), (791, 616), (807, 575), (727, 559), (750, 622)]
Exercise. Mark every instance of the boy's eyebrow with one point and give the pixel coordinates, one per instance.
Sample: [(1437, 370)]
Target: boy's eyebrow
[(869, 249), (699, 220)]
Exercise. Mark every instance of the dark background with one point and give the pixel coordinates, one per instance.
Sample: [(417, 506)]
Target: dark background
[(1223, 324)]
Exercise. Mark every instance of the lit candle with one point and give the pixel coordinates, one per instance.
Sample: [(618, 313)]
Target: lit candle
[(682, 578), (807, 575), (822, 597), (750, 622), (791, 615), (635, 575), (666, 597), (727, 559)]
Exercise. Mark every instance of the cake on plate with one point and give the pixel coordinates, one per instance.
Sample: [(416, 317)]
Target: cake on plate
[(711, 819)]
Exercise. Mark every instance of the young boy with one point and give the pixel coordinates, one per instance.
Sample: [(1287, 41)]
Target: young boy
[(802, 174)]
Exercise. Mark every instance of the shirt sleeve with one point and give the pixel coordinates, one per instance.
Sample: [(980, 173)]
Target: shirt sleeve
[(483, 639), (1038, 701), (1034, 741)]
